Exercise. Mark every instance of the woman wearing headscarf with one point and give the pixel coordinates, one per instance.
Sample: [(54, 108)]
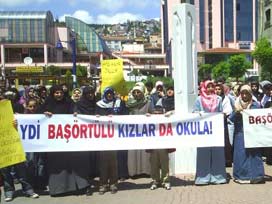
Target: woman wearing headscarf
[(65, 89), (138, 104), (87, 102), (42, 94), (159, 159), (109, 105), (247, 163), (86, 105), (158, 93), (66, 170), (210, 160), (76, 94)]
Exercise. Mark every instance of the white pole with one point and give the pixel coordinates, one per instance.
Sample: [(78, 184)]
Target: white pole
[(3, 74), (185, 77)]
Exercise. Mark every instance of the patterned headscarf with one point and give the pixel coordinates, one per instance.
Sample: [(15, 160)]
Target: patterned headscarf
[(209, 101)]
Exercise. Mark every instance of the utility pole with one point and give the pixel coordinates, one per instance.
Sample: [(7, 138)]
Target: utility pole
[(73, 46)]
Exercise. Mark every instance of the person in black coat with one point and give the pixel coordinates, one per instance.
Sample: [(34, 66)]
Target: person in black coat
[(86, 105), (68, 171), (87, 102)]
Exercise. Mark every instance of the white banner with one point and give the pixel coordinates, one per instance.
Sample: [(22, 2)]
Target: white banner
[(257, 127), (87, 133)]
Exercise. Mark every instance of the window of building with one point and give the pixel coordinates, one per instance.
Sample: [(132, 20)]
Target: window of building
[(238, 36), (202, 21), (210, 23), (244, 21), (238, 7), (267, 23), (267, 15)]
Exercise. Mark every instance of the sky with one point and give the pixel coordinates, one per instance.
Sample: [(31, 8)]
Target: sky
[(90, 11)]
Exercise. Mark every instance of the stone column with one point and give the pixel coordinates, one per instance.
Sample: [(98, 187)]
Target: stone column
[(185, 78)]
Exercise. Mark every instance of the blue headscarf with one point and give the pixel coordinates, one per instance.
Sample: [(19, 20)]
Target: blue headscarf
[(114, 104), (108, 90), (104, 102)]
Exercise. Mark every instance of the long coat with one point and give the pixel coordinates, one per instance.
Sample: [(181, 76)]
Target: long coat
[(247, 163), (87, 107), (210, 166), (67, 171), (139, 160)]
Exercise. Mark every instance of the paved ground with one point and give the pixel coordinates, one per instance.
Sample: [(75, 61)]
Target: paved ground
[(183, 191)]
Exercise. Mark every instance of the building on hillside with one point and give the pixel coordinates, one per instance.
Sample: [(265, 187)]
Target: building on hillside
[(151, 49), (155, 40), (133, 48), (115, 42)]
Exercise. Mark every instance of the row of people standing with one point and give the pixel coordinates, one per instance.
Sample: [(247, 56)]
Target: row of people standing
[(73, 177), (64, 169), (114, 164), (247, 163)]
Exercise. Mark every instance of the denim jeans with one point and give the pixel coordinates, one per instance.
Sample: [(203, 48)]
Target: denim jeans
[(20, 170)]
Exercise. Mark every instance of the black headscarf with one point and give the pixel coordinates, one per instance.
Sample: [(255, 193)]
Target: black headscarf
[(54, 106), (168, 102), (86, 104)]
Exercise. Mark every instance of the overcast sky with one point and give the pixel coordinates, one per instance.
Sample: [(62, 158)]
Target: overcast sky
[(90, 11)]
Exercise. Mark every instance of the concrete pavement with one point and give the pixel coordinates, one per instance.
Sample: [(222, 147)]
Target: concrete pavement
[(136, 191)]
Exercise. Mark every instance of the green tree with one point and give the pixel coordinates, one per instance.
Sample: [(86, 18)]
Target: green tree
[(238, 65), (68, 78), (167, 81), (204, 71), (53, 70), (263, 56), (81, 71), (222, 69)]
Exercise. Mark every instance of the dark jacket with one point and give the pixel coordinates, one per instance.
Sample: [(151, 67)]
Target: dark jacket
[(67, 171)]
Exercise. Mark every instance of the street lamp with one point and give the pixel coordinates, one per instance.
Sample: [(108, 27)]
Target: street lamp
[(73, 46)]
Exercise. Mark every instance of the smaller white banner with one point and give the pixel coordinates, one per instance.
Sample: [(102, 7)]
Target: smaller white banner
[(257, 127), (87, 133)]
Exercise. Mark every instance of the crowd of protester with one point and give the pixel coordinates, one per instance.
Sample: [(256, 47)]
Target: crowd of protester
[(66, 173)]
